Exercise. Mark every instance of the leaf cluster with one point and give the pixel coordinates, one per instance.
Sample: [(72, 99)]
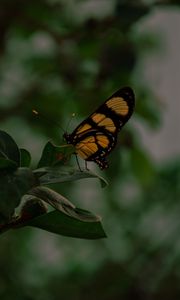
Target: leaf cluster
[(25, 199)]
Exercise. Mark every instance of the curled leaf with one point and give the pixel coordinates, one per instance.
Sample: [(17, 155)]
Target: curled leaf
[(63, 174), (62, 204)]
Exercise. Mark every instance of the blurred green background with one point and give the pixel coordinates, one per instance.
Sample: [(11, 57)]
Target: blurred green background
[(63, 57)]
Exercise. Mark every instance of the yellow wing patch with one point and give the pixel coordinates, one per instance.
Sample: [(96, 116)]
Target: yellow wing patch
[(83, 128), (108, 124), (118, 105), (97, 118), (103, 141), (102, 120), (87, 147)]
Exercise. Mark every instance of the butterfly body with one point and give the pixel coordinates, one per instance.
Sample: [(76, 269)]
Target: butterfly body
[(96, 136)]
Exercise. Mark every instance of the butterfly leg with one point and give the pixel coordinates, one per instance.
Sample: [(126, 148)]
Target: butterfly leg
[(78, 163), (86, 166)]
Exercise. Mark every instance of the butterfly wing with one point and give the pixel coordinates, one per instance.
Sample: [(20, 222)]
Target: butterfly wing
[(96, 136), (110, 117), (95, 147), (119, 107)]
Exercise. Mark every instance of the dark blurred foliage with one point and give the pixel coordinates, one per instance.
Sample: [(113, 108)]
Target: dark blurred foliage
[(60, 58)]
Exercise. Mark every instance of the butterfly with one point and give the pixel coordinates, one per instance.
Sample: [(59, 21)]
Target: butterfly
[(96, 136)]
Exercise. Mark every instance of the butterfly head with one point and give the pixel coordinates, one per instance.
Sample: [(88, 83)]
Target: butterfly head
[(67, 138)]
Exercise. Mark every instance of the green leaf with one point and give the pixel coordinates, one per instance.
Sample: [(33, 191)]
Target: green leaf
[(7, 164), (85, 215), (51, 175), (24, 180), (32, 207), (25, 158), (8, 148), (53, 155), (62, 204), (9, 195), (12, 187), (60, 223)]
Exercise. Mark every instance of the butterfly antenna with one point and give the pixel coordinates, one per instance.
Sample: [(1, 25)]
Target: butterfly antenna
[(70, 120), (38, 114)]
